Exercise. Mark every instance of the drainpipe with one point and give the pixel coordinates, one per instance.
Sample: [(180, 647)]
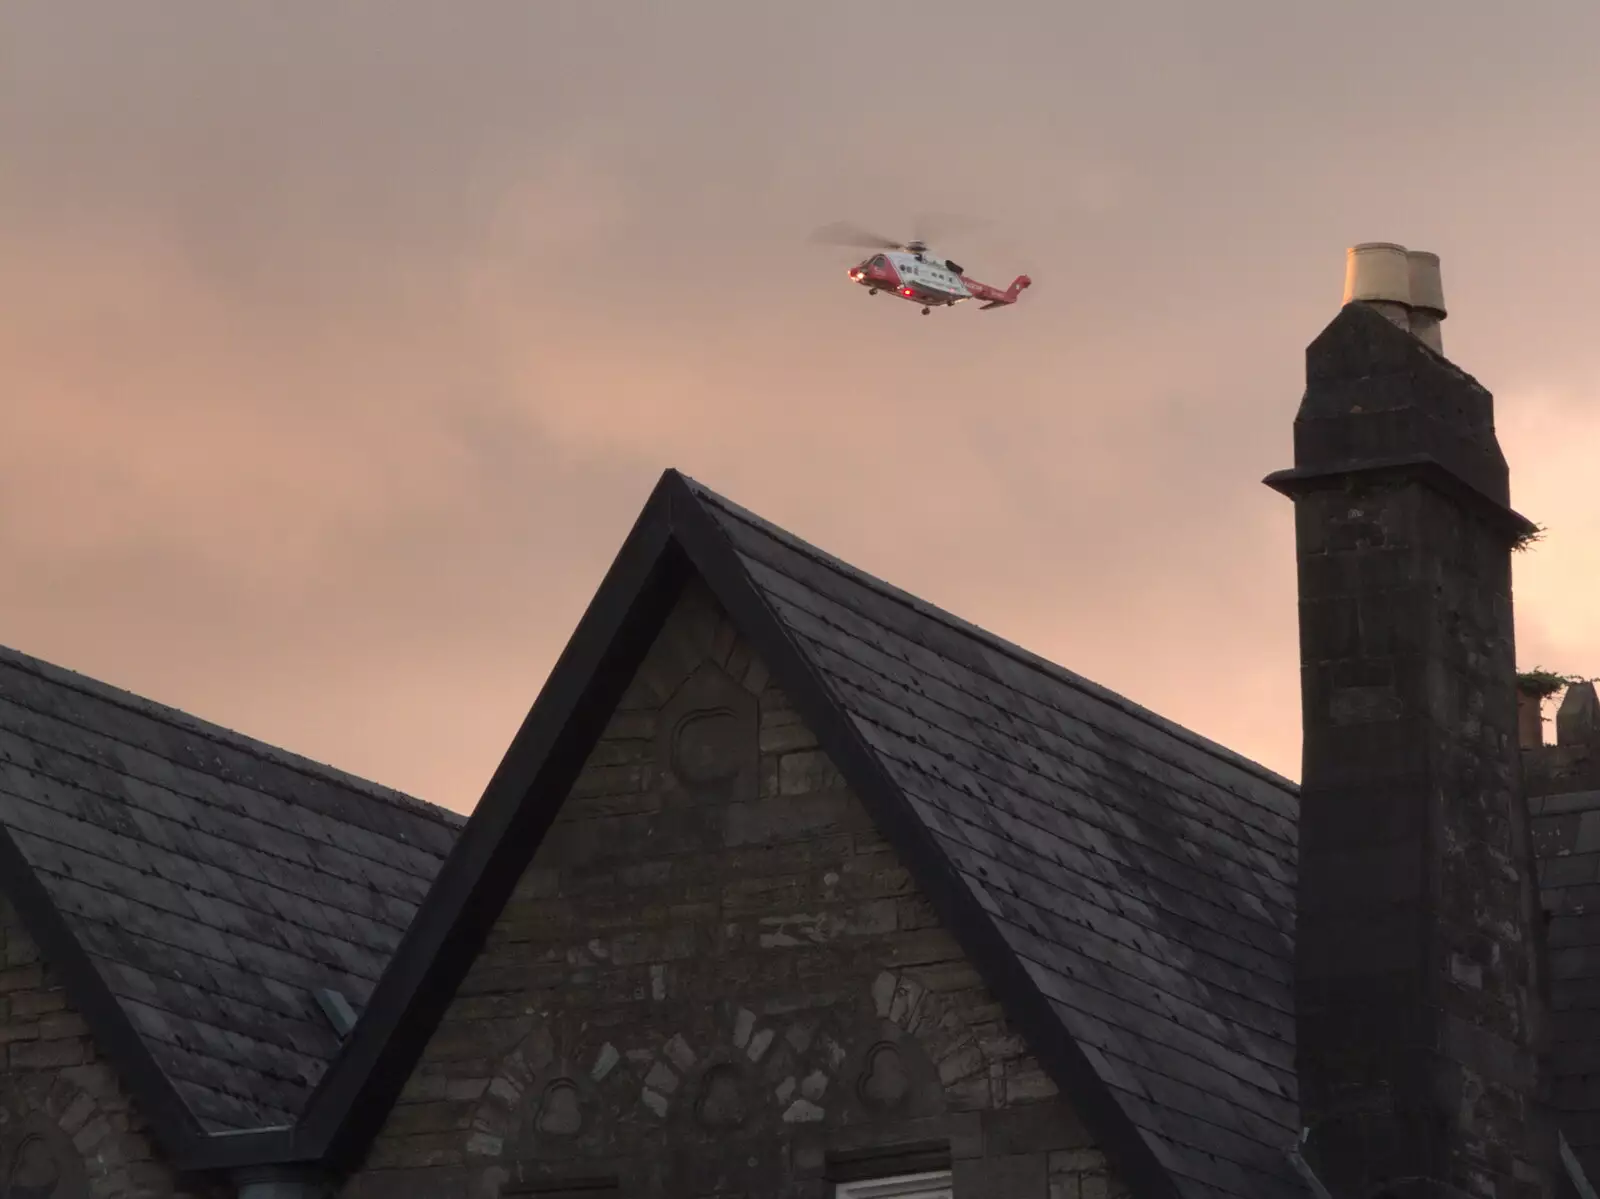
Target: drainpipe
[(268, 1183)]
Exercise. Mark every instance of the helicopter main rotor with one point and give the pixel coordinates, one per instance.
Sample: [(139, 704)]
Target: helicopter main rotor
[(844, 233), (847, 233)]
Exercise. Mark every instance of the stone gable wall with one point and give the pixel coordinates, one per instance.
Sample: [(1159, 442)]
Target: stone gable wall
[(67, 1128), (717, 979)]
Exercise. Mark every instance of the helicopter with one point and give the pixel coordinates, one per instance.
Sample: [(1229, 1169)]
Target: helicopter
[(913, 272)]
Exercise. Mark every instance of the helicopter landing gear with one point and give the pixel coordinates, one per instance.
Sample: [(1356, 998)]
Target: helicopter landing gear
[(925, 311), (872, 291)]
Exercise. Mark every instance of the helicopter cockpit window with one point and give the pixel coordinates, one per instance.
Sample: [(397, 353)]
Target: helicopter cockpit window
[(878, 261)]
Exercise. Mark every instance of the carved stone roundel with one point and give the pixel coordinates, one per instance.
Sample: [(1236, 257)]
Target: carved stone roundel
[(705, 747), (559, 1112), (36, 1165), (722, 1101), (33, 1171), (884, 1083)]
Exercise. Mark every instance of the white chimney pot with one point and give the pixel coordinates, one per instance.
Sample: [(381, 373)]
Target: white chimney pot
[(1427, 299), (1402, 284), (1378, 273), (1427, 291)]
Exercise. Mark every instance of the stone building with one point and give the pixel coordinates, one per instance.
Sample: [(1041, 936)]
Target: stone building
[(792, 886)]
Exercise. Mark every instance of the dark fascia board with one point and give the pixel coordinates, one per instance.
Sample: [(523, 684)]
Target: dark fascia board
[(676, 536), (175, 1128)]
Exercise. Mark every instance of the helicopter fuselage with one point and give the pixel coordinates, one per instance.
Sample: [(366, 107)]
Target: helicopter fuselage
[(918, 275), (923, 278)]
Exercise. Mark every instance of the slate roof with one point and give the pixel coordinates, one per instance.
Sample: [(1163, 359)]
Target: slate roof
[(1126, 886), (1144, 876), (212, 881), (1566, 838)]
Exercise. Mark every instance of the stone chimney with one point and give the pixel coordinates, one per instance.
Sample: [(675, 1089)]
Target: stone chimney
[(1530, 720), (1418, 977), (1578, 717)]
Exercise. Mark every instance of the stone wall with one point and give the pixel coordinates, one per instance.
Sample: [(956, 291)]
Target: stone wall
[(67, 1130), (717, 979), (1562, 784)]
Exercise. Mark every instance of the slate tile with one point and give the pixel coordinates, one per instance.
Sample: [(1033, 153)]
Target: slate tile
[(1587, 839), (1039, 683), (186, 858), (1574, 870), (1571, 801), (1556, 836), (1194, 1149), (1051, 793), (1576, 901), (1167, 897), (1566, 931), (840, 652)]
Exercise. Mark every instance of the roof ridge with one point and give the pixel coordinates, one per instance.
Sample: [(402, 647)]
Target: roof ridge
[(177, 718), (995, 641)]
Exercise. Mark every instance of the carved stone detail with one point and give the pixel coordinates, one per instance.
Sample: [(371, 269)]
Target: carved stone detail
[(34, 1170), (560, 1110), (710, 738), (568, 1093), (38, 1160), (706, 747), (722, 1103), (884, 1082)]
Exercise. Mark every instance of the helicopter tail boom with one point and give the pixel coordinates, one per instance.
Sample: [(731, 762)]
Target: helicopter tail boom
[(994, 296)]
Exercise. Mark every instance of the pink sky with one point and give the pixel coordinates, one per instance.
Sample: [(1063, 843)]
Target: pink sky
[(341, 344)]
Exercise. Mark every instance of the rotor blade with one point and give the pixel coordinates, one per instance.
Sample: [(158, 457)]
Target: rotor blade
[(843, 233), (934, 226)]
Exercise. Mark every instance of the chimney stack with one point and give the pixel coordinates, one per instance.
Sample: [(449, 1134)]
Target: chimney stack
[(1419, 1016), (1530, 720), (1578, 717), (1403, 285)]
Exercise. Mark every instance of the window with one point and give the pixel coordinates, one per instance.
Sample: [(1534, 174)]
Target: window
[(907, 1186)]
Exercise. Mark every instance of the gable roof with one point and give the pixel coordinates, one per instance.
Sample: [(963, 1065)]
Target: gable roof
[(194, 888), (1125, 887)]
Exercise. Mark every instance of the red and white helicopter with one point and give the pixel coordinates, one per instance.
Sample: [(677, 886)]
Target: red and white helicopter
[(913, 272)]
